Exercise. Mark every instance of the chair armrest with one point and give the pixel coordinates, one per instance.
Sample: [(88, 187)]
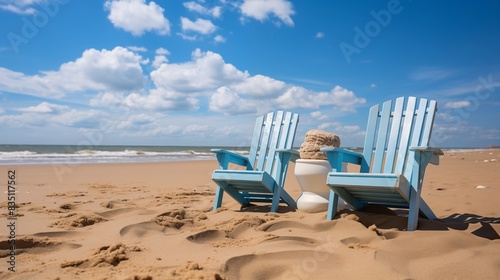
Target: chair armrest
[(337, 156), (344, 155), (431, 153), (436, 151), (294, 155), (224, 157)]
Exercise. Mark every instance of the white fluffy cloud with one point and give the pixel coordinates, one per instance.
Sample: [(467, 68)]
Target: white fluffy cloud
[(137, 17), (23, 7), (340, 98), (159, 60), (231, 101), (457, 104), (179, 86), (348, 134), (113, 70), (11, 81), (205, 72), (219, 39), (137, 49), (136, 120), (261, 9), (198, 8), (318, 115), (49, 114), (44, 107), (184, 86), (226, 101), (161, 57), (162, 51), (260, 86), (202, 26), (154, 100), (117, 69)]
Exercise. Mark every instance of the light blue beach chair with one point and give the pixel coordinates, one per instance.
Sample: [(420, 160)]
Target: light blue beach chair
[(266, 165), (393, 162)]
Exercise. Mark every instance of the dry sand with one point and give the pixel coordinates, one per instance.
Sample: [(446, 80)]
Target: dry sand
[(154, 221)]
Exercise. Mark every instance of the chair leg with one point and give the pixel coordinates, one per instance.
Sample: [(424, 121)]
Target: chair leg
[(332, 205), (225, 187), (414, 210), (288, 199), (276, 199), (426, 210), (219, 193)]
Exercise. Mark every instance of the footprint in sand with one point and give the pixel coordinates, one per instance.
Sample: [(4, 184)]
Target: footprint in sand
[(235, 232), (296, 264), (143, 229), (285, 225), (112, 204), (207, 236), (56, 234), (125, 212), (166, 223), (284, 230), (356, 242), (78, 220), (251, 230), (34, 245), (179, 218), (104, 256)]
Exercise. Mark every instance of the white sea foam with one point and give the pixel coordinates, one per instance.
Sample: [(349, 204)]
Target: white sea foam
[(101, 156), (464, 150)]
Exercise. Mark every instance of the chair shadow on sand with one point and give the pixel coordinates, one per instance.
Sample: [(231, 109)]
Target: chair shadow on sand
[(386, 218), (253, 208), (461, 222)]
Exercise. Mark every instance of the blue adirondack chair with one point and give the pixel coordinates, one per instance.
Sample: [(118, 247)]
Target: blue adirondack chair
[(266, 165), (393, 162)]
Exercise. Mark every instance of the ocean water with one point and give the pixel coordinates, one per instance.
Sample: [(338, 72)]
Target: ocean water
[(67, 154)]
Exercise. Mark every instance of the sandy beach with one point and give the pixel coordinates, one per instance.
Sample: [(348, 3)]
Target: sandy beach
[(155, 221)]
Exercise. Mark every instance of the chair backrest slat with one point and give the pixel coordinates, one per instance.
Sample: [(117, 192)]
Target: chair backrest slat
[(429, 121), (285, 136), (273, 143), (383, 130), (419, 123), (289, 129), (275, 130), (392, 129), (393, 143), (264, 141), (406, 130), (254, 146), (371, 130)]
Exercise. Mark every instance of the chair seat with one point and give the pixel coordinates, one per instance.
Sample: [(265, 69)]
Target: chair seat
[(371, 188), (245, 180)]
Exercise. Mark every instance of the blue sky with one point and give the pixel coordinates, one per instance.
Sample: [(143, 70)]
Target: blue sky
[(165, 72)]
